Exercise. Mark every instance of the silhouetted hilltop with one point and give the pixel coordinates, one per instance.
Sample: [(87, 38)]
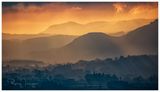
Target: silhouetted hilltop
[(44, 43), (23, 63), (131, 72), (70, 28), (7, 36), (96, 43), (20, 49), (143, 40)]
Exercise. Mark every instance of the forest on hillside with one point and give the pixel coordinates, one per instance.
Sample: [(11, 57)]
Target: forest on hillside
[(119, 73)]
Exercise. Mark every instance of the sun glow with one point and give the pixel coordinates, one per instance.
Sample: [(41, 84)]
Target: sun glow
[(33, 18)]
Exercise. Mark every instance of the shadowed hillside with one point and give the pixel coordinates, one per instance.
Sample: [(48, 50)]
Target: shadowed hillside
[(131, 72), (89, 46), (6, 36), (20, 49), (143, 40)]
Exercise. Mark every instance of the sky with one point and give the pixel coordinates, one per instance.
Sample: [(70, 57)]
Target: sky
[(36, 17)]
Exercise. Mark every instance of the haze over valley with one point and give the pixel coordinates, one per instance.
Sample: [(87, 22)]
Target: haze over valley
[(80, 45), (69, 48)]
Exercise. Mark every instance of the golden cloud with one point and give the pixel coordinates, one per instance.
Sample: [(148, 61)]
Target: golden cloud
[(35, 18), (120, 7)]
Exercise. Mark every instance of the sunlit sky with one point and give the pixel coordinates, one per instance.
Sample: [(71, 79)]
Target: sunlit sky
[(32, 18)]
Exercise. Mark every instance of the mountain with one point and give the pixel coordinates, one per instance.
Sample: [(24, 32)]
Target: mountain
[(7, 36), (143, 40), (94, 43), (20, 49), (146, 36), (45, 43), (117, 34), (130, 73), (23, 63), (88, 46), (69, 28), (11, 49), (73, 28), (99, 45), (130, 66)]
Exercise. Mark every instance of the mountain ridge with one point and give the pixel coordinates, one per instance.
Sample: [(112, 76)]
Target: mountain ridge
[(100, 45), (100, 26)]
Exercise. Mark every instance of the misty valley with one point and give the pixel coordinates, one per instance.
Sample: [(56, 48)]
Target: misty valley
[(60, 49), (93, 61), (131, 72)]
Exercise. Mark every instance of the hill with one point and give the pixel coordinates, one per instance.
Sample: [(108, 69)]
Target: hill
[(20, 49), (7, 36), (143, 40), (99, 45), (122, 73), (23, 63), (73, 28)]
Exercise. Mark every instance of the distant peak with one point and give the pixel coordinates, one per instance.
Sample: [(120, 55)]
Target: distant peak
[(97, 22), (155, 21), (96, 33), (71, 22)]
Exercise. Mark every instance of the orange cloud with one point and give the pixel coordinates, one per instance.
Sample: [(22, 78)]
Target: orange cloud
[(142, 9), (145, 11), (76, 8), (120, 7), (33, 18)]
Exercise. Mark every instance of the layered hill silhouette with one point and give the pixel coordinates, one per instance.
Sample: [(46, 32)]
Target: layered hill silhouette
[(7, 36), (70, 28), (100, 45), (20, 49), (44, 43), (131, 73), (23, 63), (143, 40)]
